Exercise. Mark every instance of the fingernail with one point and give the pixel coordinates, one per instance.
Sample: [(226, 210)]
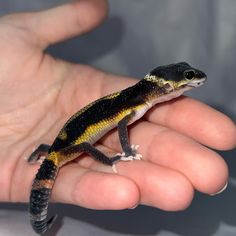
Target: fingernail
[(135, 206), (222, 190)]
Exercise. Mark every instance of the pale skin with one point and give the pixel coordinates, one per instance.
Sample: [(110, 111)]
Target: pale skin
[(39, 93)]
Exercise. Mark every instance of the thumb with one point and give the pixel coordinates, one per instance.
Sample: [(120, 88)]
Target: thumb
[(62, 22)]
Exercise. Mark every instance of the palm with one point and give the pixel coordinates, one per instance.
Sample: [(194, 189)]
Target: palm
[(42, 93), (33, 102), (38, 93)]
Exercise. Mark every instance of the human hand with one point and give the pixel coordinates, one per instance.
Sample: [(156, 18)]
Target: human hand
[(39, 93)]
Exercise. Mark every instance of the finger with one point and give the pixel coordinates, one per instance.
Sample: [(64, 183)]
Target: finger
[(62, 22), (142, 182), (96, 190), (112, 191), (152, 181), (159, 186), (74, 185), (186, 115), (197, 120), (204, 168)]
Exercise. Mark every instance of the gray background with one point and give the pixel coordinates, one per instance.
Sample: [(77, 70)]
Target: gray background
[(138, 36)]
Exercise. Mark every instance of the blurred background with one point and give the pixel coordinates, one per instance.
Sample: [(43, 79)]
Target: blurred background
[(137, 36)]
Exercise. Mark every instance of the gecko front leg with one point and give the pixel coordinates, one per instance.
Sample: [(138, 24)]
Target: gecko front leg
[(129, 151)]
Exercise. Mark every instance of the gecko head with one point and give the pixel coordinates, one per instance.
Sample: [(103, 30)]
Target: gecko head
[(176, 77)]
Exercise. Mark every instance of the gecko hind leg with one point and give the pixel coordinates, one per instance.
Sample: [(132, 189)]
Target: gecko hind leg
[(92, 151), (41, 150)]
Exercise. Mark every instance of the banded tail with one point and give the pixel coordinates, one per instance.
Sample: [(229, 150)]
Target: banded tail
[(40, 194)]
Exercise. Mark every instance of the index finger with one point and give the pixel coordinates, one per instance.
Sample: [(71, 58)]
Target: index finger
[(196, 120)]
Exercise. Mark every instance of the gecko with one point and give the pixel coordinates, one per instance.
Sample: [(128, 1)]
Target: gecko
[(88, 125)]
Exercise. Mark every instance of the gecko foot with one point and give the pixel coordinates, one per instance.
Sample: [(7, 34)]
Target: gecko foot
[(130, 156), (137, 155), (38, 154), (41, 159), (114, 168)]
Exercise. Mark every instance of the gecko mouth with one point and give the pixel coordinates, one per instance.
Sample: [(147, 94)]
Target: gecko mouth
[(196, 83)]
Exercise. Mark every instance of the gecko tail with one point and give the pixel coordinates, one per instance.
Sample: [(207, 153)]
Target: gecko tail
[(40, 195), (41, 226)]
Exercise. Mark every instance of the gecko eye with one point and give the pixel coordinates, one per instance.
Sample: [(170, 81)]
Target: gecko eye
[(190, 74)]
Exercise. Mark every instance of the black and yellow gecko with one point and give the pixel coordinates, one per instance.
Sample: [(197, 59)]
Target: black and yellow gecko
[(92, 122)]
